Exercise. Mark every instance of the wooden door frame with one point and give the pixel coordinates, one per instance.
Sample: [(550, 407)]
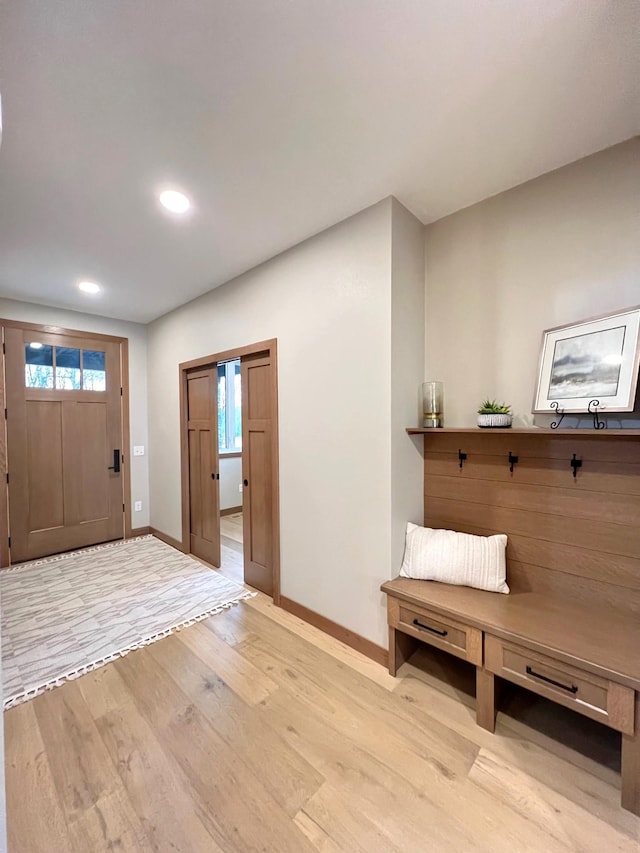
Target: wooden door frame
[(271, 347), (126, 464)]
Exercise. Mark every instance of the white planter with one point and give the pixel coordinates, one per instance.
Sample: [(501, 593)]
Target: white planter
[(494, 421)]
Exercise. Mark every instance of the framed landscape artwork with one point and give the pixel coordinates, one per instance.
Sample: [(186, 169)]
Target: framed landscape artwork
[(596, 359)]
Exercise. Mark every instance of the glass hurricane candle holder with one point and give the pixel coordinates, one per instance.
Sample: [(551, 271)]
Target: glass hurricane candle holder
[(432, 400)]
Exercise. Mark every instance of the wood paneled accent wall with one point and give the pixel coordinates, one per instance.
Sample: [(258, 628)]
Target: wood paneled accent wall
[(575, 537)]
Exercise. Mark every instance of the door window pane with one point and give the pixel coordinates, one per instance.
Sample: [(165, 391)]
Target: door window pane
[(38, 370), (94, 374), (68, 368), (64, 368)]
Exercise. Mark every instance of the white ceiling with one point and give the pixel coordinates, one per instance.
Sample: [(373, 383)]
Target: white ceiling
[(279, 118)]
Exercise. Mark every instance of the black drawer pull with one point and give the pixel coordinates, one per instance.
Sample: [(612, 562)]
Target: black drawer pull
[(427, 628), (572, 689)]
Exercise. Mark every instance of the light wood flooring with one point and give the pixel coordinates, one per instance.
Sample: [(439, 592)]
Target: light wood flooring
[(253, 731), (231, 526)]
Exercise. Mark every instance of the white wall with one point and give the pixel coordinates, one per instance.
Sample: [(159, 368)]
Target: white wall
[(137, 335), (230, 479), (327, 301), (407, 365), (558, 249)]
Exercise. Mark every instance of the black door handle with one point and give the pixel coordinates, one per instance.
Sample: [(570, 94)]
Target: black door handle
[(215, 476), (116, 462), (245, 482)]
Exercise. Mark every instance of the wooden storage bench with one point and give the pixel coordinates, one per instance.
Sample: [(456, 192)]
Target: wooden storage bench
[(569, 502), (583, 656)]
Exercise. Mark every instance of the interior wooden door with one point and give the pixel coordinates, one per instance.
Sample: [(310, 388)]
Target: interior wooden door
[(204, 473), (257, 471), (64, 441)]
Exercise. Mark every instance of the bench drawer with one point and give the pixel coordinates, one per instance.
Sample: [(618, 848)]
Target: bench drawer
[(436, 630), (603, 700)]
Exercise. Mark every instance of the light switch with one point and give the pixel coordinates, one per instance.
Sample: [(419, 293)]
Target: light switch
[(138, 450)]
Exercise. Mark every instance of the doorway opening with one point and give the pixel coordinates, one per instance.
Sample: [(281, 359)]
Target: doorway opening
[(229, 458), (230, 465)]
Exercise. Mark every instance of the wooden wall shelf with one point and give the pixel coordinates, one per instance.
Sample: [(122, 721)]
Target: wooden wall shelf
[(539, 431)]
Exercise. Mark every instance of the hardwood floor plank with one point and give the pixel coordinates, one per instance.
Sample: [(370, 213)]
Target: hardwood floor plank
[(109, 825), (154, 785), (346, 696), (342, 653), (30, 782), (249, 682), (231, 629), (246, 816), (81, 766), (401, 793), (104, 691), (231, 527), (285, 774), (316, 834), (347, 829), (555, 815)]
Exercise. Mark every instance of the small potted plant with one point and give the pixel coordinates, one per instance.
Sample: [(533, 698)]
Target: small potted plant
[(492, 414)]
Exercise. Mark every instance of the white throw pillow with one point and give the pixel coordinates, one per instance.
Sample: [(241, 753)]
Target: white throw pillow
[(456, 558)]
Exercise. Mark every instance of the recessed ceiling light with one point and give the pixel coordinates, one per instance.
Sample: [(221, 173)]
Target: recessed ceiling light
[(174, 201), (35, 345), (89, 287)]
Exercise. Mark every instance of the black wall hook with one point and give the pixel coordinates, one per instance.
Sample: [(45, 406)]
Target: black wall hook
[(513, 460), (575, 464), (461, 457)]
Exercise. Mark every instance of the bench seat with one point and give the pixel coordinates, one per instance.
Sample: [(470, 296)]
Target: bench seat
[(581, 655), (598, 639)]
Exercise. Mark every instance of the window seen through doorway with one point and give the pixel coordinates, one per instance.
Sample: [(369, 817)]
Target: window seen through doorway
[(229, 407)]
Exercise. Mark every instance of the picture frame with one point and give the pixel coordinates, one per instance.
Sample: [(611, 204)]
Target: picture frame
[(593, 360)]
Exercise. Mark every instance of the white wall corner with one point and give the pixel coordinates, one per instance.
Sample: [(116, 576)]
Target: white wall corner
[(407, 365)]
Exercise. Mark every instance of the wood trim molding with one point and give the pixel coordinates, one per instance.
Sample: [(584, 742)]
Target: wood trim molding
[(349, 638), (229, 355), (126, 436), (59, 330), (237, 454), (184, 462), (140, 531), (4, 487), (231, 510), (168, 540), (275, 456)]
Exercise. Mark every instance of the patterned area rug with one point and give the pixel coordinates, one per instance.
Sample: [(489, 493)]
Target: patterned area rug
[(67, 615)]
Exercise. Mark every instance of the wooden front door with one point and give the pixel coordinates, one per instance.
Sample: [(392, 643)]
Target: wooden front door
[(64, 441), (204, 474), (257, 471)]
